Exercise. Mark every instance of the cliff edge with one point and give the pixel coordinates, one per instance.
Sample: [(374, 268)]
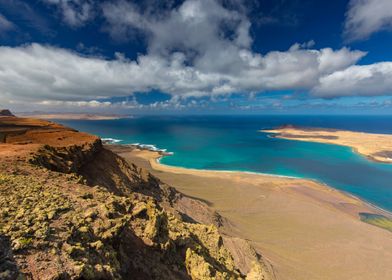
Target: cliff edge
[(72, 209)]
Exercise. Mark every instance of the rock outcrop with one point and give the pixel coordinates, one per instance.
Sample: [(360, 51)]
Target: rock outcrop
[(69, 159), (71, 209)]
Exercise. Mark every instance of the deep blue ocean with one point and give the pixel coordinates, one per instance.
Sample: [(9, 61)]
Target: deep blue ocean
[(235, 143)]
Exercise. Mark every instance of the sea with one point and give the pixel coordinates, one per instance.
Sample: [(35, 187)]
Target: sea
[(235, 143)]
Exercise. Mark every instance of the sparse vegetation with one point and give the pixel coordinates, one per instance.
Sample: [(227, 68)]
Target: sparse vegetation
[(377, 220)]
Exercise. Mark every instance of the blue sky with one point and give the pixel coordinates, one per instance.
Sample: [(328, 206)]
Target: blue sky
[(197, 56)]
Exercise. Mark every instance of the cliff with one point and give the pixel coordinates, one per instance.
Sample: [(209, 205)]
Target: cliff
[(72, 209)]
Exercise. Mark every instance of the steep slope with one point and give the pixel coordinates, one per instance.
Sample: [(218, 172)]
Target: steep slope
[(71, 209)]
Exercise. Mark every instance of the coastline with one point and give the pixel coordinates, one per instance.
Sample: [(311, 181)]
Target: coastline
[(162, 153), (378, 209), (225, 171), (293, 222)]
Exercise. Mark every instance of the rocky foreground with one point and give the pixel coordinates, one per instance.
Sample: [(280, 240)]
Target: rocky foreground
[(71, 209)]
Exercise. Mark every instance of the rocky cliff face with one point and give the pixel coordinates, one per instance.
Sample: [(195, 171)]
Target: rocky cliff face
[(67, 159), (71, 209)]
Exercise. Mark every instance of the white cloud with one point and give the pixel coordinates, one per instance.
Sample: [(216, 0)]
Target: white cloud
[(126, 104), (305, 45), (365, 17), (360, 80), (196, 28), (197, 49), (5, 24), (74, 12), (91, 103), (37, 72)]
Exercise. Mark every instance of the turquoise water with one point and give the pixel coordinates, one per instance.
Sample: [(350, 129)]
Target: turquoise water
[(235, 143)]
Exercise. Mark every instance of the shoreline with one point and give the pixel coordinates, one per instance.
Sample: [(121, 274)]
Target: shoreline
[(362, 200), (227, 171), (162, 153)]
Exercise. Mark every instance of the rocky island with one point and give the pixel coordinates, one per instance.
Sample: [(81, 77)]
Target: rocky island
[(73, 209)]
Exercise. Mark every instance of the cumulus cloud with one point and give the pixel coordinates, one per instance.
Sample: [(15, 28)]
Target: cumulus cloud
[(199, 48), (208, 35), (41, 72), (362, 80), (174, 103), (91, 103), (74, 12), (365, 17)]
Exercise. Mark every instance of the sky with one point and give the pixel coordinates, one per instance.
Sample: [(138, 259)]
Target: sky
[(196, 56)]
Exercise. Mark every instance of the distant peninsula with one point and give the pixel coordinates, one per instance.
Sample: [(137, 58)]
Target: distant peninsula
[(73, 116)]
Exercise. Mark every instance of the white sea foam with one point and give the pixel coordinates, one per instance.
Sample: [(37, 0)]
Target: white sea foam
[(152, 147), (111, 140)]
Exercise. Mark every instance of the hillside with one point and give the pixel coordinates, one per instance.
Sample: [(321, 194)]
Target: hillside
[(72, 209)]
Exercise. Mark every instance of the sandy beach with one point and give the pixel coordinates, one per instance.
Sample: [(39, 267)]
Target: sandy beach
[(304, 229), (377, 147)]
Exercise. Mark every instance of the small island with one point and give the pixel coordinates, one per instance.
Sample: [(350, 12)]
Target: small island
[(377, 147)]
